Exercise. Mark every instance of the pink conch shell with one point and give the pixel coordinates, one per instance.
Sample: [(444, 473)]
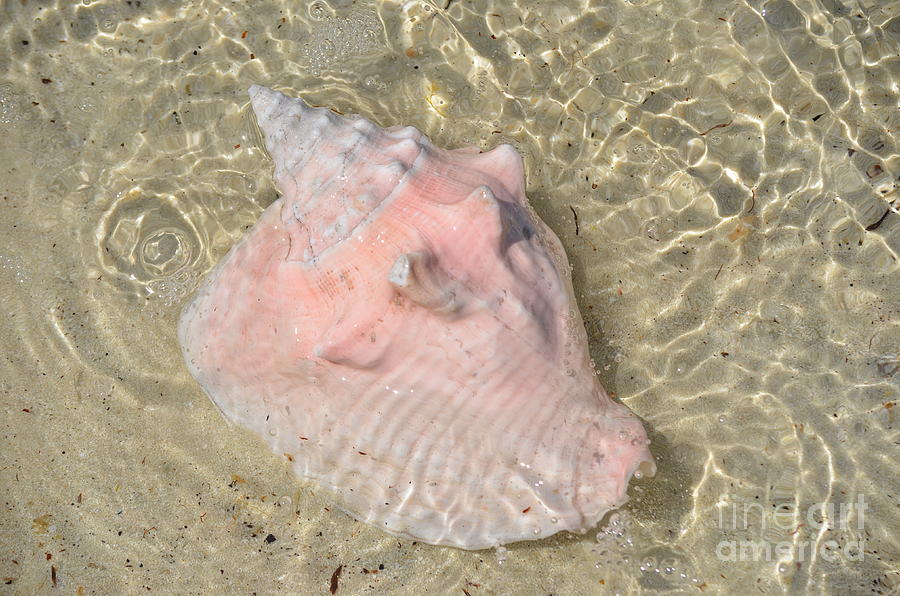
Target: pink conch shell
[(404, 328)]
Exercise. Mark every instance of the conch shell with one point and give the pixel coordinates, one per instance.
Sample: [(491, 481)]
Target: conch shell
[(403, 327)]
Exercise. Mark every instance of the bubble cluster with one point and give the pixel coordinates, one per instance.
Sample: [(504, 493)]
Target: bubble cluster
[(658, 567), (16, 266), (333, 40)]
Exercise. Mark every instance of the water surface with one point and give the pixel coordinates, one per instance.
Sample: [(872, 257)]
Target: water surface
[(722, 174)]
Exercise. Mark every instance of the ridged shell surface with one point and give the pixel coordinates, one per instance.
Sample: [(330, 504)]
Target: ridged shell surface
[(402, 328)]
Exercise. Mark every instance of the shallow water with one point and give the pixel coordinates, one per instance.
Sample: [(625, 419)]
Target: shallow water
[(723, 176)]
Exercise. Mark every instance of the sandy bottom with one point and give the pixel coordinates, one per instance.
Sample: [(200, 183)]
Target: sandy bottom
[(723, 176)]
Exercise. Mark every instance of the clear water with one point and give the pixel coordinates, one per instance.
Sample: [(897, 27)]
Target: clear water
[(732, 167)]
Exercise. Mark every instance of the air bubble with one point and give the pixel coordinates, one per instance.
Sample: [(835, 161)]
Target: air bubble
[(501, 553), (318, 11)]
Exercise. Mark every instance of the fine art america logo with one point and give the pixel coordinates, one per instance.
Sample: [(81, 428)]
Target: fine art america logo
[(824, 529)]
